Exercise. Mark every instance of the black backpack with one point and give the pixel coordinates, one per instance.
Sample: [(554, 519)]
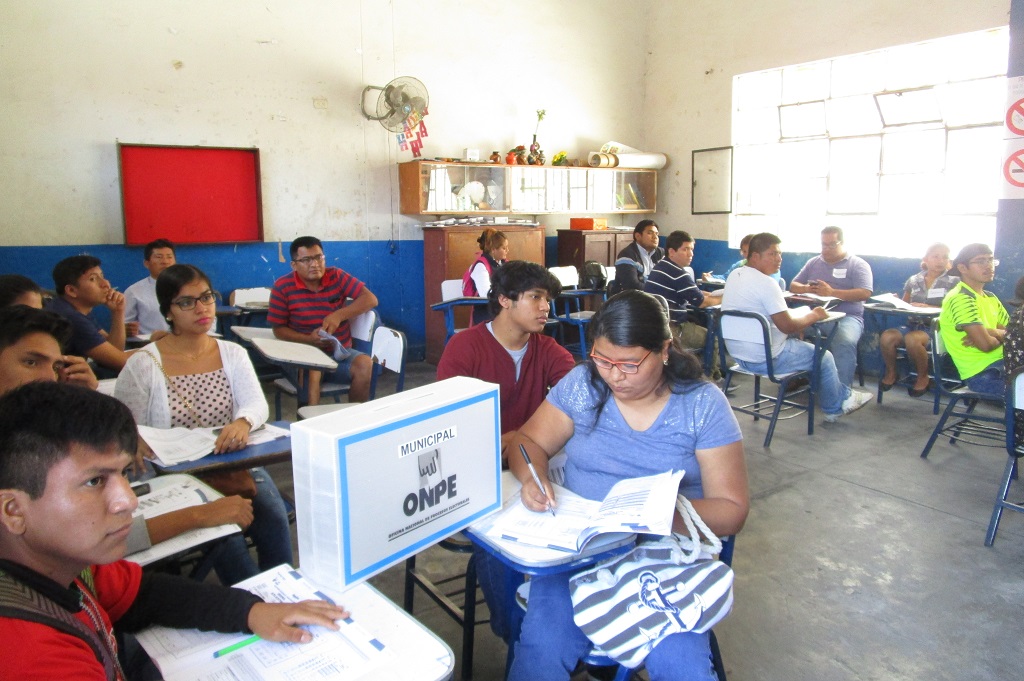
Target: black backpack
[(592, 277)]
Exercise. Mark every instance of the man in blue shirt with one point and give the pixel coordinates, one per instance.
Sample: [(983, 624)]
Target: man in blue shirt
[(672, 278), (81, 288)]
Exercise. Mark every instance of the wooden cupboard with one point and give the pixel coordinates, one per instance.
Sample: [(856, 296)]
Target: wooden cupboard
[(575, 246), (447, 254)]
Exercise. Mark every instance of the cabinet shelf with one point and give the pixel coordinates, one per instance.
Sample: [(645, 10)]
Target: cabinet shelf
[(480, 189)]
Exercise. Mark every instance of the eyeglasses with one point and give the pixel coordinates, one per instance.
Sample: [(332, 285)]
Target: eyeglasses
[(188, 302), (624, 367), (825, 244), (309, 259), (984, 262)]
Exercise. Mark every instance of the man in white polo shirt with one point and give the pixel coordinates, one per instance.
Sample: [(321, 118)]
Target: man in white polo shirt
[(751, 289)]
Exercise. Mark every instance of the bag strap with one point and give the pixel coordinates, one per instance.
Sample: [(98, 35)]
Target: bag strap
[(691, 546), (18, 601), (184, 400)]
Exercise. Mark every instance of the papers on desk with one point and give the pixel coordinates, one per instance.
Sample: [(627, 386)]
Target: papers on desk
[(188, 654), (645, 504), (897, 303), (178, 445), (827, 302), (183, 492)]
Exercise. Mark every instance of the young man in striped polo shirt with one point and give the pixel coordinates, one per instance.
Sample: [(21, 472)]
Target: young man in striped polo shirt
[(312, 298)]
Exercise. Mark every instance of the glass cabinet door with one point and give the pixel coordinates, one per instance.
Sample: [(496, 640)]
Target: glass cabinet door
[(464, 189)]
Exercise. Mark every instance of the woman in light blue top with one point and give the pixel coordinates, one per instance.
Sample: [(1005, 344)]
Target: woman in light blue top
[(638, 406)]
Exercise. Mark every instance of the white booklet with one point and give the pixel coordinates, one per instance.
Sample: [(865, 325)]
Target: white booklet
[(178, 445), (193, 655), (636, 505)]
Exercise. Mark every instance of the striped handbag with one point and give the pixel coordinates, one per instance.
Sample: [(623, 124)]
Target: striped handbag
[(665, 586)]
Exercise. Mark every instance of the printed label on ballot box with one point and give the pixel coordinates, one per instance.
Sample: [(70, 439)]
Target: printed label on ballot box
[(394, 476)]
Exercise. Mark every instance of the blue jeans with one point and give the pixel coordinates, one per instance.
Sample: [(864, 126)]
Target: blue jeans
[(846, 334), (343, 374), (991, 380), (269, 531), (798, 355), (551, 644)]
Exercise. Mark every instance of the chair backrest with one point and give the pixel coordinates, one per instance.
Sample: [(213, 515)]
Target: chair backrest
[(664, 303), (609, 275), (944, 371), (390, 351), (451, 289), (567, 275), (1014, 404), (747, 327), (362, 327), (250, 296)]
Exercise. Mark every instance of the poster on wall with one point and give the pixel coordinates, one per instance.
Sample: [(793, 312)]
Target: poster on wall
[(1013, 134)]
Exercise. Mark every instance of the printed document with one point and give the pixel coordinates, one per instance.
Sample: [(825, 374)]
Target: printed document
[(636, 505), (188, 654)]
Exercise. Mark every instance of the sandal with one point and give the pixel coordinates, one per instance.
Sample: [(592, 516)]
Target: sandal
[(914, 392)]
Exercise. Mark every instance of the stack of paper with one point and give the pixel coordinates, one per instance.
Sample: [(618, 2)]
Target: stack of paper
[(209, 656)]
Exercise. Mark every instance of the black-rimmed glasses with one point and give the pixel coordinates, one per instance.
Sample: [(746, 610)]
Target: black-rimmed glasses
[(189, 302)]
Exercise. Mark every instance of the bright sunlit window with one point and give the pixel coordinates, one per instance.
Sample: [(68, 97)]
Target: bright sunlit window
[(900, 147)]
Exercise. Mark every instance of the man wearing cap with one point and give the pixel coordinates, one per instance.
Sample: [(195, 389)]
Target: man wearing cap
[(973, 322)]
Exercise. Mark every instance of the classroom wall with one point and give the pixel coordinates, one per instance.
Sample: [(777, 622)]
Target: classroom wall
[(286, 75)]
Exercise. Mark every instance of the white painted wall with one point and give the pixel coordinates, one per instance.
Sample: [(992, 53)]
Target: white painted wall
[(76, 76), (285, 76), (697, 46)]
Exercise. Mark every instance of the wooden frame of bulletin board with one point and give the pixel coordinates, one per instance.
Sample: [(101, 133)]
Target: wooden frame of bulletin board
[(190, 195)]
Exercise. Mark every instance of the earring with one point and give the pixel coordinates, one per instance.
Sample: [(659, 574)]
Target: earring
[(168, 319), (665, 362)]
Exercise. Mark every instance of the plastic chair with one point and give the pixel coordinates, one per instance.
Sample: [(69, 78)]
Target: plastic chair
[(964, 425), (361, 328), (389, 353), (571, 312), (451, 298), (1014, 405), (752, 327)]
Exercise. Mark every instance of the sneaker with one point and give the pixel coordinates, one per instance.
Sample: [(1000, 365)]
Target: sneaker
[(856, 400)]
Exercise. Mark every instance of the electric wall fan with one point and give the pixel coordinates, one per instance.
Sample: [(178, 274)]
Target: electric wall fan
[(398, 101)]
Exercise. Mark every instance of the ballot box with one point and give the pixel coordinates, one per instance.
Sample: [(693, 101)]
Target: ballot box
[(380, 481)]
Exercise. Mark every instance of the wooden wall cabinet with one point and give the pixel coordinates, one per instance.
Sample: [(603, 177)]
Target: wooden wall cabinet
[(575, 247), (447, 254), (438, 188)]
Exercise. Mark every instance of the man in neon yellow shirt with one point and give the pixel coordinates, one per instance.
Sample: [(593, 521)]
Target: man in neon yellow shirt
[(973, 322)]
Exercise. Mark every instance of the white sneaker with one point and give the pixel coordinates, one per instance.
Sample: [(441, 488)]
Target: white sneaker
[(856, 400)]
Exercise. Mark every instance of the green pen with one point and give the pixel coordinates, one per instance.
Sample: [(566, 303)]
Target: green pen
[(236, 646)]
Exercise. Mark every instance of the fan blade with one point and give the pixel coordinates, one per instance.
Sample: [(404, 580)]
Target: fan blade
[(394, 95), (418, 104), (394, 119)]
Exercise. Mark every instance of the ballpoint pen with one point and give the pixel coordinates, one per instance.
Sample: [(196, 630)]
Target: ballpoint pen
[(232, 648), (536, 479)]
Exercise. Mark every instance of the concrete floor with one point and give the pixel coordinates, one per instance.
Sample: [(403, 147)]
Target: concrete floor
[(859, 559)]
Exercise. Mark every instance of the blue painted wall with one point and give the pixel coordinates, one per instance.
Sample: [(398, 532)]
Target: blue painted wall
[(394, 269)]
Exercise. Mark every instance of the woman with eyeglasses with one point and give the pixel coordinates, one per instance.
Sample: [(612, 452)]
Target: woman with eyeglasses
[(927, 288), (190, 379), (638, 406)]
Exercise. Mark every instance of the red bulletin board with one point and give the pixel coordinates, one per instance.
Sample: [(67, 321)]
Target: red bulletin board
[(190, 195)]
